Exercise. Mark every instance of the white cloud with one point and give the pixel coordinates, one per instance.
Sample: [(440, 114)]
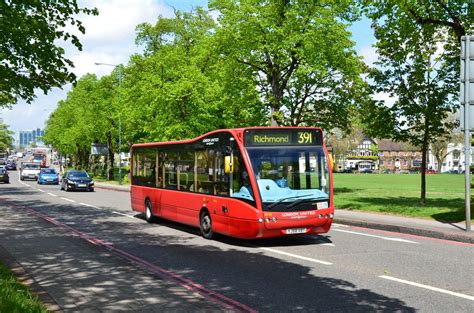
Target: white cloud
[(369, 54)]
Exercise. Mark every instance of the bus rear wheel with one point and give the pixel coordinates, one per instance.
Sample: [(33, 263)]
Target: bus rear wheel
[(149, 217), (205, 224)]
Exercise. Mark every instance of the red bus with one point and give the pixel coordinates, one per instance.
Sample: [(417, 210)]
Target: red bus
[(253, 182)]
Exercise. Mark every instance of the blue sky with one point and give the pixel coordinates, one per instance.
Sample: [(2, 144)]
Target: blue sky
[(110, 39)]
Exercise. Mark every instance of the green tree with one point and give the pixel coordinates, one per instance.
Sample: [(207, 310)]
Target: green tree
[(180, 88), (300, 56), (418, 47), (6, 138), (29, 51)]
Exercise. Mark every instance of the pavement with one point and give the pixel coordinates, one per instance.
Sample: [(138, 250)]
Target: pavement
[(406, 225)]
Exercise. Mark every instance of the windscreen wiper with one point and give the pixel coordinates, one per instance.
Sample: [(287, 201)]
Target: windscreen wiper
[(293, 197), (303, 200)]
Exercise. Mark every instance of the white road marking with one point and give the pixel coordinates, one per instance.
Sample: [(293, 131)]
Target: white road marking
[(40, 190), (327, 244), (52, 194), (339, 225), (123, 214), (452, 293), (67, 199), (91, 206), (376, 236), (296, 256)]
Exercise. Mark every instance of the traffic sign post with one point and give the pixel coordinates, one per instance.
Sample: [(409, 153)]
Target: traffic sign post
[(467, 101)]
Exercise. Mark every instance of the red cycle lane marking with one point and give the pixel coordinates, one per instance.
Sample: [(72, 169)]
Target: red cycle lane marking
[(159, 271)]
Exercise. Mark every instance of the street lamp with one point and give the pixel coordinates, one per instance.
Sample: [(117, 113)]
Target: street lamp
[(120, 77)]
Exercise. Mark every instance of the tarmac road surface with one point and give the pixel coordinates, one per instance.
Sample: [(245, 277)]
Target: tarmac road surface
[(90, 252)]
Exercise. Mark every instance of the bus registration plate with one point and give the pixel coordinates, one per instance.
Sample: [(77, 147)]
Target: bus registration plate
[(290, 231)]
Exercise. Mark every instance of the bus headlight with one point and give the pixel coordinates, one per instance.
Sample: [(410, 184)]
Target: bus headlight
[(260, 220), (274, 219)]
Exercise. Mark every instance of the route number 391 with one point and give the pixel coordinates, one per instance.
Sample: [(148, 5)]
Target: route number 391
[(305, 137)]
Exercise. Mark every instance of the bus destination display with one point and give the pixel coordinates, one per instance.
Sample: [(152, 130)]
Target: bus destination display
[(290, 137)]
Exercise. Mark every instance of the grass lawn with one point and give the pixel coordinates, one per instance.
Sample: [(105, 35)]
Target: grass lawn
[(14, 297), (400, 194)]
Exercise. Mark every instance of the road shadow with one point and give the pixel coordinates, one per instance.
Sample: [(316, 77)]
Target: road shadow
[(253, 277)]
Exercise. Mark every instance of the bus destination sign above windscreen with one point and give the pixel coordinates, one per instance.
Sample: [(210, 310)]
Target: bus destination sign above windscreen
[(283, 137)]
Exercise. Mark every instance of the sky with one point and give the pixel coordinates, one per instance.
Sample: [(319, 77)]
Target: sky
[(110, 38)]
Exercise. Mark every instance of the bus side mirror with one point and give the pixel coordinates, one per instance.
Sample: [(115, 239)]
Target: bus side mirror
[(228, 164)]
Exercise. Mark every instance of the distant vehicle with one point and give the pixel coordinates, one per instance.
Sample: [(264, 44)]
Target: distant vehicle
[(39, 158), (430, 172), (4, 177), (77, 180), (19, 155), (29, 171), (48, 176), (366, 171), (11, 166), (404, 172)]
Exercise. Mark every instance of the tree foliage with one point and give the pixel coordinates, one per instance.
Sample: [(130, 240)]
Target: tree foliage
[(300, 55), (30, 57), (6, 138), (418, 48)]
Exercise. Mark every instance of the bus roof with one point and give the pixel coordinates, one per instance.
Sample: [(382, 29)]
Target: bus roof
[(237, 132)]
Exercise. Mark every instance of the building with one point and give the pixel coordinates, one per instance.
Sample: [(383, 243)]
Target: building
[(390, 156), (364, 157), (398, 156), (29, 136)]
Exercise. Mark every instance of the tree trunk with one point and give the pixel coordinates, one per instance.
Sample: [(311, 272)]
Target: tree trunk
[(110, 158), (424, 150)]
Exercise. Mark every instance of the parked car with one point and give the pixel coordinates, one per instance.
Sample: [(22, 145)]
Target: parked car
[(4, 177), (48, 176), (29, 171), (430, 172), (77, 180), (366, 171)]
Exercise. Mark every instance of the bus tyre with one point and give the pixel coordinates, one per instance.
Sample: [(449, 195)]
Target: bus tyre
[(205, 224), (149, 212)]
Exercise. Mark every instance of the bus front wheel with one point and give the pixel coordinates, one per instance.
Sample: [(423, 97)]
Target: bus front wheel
[(149, 217), (205, 223)]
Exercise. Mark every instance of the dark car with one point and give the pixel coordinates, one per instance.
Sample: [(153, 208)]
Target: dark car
[(48, 176), (4, 176), (77, 180), (11, 166)]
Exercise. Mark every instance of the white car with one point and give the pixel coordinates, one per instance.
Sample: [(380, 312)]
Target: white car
[(29, 171)]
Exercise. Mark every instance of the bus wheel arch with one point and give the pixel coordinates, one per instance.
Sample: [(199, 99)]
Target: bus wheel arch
[(149, 217), (205, 224)]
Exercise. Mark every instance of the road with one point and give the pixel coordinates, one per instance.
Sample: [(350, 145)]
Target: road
[(167, 266)]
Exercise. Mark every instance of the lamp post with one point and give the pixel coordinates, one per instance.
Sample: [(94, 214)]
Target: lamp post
[(120, 77)]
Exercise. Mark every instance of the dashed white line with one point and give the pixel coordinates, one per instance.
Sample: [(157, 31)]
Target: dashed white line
[(339, 225), (327, 244), (40, 190), (123, 214), (296, 256), (376, 236), (91, 206), (52, 194), (452, 293), (70, 200)]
